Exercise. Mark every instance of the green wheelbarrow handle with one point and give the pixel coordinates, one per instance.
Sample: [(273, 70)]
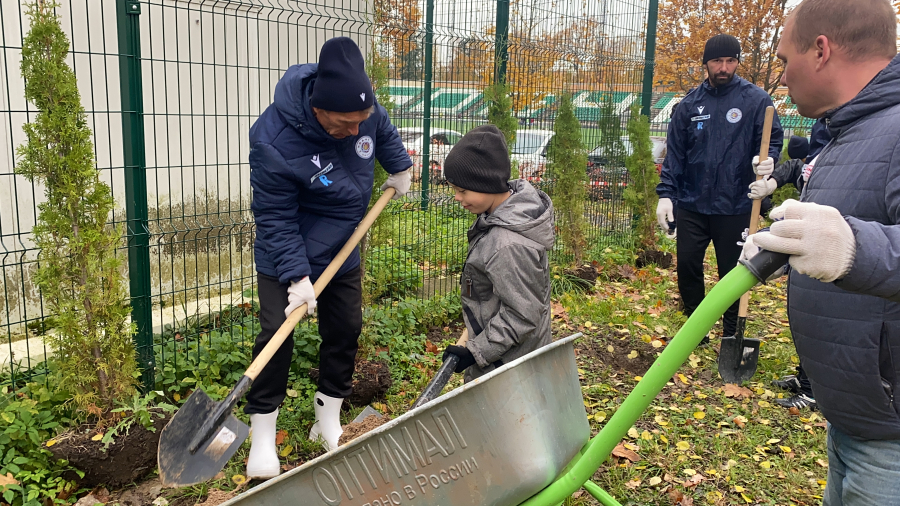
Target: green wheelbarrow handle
[(724, 293)]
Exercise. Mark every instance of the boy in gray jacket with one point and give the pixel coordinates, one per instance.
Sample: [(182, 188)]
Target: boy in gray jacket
[(506, 280)]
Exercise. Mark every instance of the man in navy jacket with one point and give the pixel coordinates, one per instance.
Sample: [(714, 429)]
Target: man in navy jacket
[(312, 161), (713, 137)]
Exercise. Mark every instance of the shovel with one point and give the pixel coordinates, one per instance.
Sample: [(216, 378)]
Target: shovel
[(198, 441), (738, 356), (434, 387), (443, 375)]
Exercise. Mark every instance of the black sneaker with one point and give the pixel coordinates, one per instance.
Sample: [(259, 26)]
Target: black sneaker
[(705, 340), (789, 383), (798, 401)]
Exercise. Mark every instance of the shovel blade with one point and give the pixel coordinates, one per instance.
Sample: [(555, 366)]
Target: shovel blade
[(738, 359), (369, 410), (178, 467)]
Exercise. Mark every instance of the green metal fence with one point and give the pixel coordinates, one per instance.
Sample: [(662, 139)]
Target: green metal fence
[(171, 89)]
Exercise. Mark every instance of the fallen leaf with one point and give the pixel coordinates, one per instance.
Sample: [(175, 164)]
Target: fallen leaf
[(633, 484), (764, 404), (633, 433), (622, 452), (656, 343), (736, 391), (794, 411), (431, 347), (279, 437), (683, 379), (239, 479), (683, 445), (7, 480), (633, 354), (51, 443), (694, 481), (699, 415), (773, 441), (689, 472), (177, 397), (97, 437), (740, 421), (822, 463), (610, 349), (286, 451), (656, 480)]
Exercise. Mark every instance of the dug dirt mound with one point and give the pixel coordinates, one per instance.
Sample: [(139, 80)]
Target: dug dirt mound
[(355, 429), (371, 380), (128, 458)]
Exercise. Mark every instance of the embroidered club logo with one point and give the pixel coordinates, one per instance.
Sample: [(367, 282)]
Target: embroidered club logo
[(315, 160), (365, 147), (734, 115), (362, 96), (700, 109)]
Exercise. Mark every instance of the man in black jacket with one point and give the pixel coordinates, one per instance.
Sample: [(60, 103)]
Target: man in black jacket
[(713, 137)]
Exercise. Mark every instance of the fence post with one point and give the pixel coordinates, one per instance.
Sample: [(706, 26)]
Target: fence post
[(649, 58), (501, 41), (133, 146), (426, 105)]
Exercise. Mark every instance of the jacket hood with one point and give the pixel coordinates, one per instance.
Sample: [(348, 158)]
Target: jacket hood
[(883, 91), (528, 211), (292, 100)]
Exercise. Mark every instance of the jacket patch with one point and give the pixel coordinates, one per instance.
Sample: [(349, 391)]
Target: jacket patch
[(700, 118), (734, 115), (321, 173), (364, 147)]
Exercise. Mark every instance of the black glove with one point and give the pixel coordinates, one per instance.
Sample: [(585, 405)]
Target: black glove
[(465, 357)]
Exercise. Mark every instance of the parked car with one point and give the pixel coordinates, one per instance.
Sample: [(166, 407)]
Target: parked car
[(442, 141), (530, 152), (610, 177)]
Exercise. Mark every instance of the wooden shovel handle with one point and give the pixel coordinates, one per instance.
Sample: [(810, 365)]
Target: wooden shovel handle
[(463, 338), (754, 214), (297, 314)]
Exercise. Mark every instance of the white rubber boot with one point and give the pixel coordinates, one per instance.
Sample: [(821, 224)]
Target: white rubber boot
[(328, 420), (263, 462)]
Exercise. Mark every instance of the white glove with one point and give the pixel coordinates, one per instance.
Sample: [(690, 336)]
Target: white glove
[(762, 188), (400, 182), (664, 214), (750, 250), (765, 168), (817, 237), (298, 293)]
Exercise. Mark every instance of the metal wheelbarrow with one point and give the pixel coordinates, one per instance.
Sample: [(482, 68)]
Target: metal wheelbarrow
[(516, 436)]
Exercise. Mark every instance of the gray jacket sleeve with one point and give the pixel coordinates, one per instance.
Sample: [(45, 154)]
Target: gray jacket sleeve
[(876, 267), (515, 272)]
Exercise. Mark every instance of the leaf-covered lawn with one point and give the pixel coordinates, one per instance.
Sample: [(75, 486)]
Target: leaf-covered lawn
[(699, 443)]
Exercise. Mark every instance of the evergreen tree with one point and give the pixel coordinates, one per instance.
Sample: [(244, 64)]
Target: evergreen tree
[(500, 115), (79, 272), (567, 164), (643, 178)]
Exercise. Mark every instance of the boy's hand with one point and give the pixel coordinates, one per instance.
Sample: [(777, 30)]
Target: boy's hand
[(466, 359), (762, 188)]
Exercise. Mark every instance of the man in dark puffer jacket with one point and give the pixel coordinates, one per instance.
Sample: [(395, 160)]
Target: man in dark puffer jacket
[(312, 161), (844, 239)]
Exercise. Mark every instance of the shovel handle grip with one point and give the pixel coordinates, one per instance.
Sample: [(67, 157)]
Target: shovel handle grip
[(443, 375), (288, 326), (757, 203)]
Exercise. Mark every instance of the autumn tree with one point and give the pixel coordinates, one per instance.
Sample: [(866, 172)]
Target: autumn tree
[(397, 23), (686, 25)]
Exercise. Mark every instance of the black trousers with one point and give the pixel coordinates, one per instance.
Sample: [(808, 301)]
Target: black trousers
[(339, 309), (695, 231)]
